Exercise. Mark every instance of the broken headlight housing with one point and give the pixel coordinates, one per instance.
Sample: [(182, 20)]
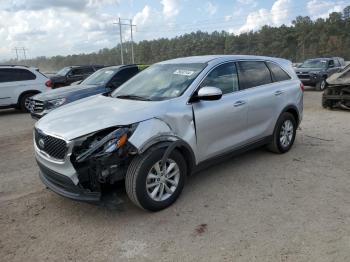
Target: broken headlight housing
[(105, 144)]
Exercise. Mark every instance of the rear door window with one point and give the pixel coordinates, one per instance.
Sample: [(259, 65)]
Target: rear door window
[(123, 75), (253, 73), (13, 75), (336, 63), (278, 74)]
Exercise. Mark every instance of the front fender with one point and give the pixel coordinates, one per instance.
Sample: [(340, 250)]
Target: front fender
[(151, 132)]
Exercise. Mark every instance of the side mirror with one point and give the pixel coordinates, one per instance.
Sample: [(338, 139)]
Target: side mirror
[(209, 93)]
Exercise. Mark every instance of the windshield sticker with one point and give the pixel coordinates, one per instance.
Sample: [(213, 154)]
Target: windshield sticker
[(108, 72), (183, 72)]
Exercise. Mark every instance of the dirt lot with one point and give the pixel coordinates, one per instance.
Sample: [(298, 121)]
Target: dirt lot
[(255, 207)]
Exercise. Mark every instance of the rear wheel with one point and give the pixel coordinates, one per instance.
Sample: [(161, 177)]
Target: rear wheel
[(284, 134), (25, 102), (151, 187)]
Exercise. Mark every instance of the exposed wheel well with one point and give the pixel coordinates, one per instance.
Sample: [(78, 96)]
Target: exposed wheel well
[(183, 148), (34, 92), (294, 112)]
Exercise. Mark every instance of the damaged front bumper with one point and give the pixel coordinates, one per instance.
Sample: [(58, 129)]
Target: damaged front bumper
[(64, 186)]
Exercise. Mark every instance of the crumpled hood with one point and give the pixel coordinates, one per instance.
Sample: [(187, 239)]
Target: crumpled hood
[(342, 78), (96, 113), (63, 92)]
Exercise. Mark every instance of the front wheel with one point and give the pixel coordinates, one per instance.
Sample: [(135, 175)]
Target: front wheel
[(152, 187), (320, 86), (284, 134)]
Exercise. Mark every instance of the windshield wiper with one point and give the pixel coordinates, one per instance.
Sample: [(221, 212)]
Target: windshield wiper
[(134, 97)]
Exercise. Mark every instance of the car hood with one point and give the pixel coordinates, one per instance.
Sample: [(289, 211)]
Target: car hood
[(338, 79), (57, 78), (64, 92), (96, 113), (306, 70)]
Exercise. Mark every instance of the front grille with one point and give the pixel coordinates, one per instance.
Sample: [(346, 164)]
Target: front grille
[(35, 106), (304, 76), (54, 147)]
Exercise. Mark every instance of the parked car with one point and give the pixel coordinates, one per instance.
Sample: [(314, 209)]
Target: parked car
[(337, 94), (314, 72), (70, 74), (164, 123), (18, 84), (102, 81)]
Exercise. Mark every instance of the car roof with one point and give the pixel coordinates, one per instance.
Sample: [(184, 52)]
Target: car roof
[(209, 58)]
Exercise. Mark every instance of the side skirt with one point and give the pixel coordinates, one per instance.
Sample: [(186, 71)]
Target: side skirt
[(218, 159)]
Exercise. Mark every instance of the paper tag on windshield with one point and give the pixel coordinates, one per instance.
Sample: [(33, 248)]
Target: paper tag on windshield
[(183, 72)]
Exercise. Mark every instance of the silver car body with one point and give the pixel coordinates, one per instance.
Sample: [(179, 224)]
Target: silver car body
[(208, 128)]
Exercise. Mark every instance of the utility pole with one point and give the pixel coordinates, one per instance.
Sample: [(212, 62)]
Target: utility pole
[(132, 43), (16, 50), (121, 41), (121, 38), (24, 54)]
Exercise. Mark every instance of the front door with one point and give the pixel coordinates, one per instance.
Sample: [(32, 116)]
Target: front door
[(221, 124)]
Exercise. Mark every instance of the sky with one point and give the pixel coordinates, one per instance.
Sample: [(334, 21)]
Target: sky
[(62, 27)]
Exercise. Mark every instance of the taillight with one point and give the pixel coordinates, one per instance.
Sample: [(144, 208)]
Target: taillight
[(302, 87), (48, 83)]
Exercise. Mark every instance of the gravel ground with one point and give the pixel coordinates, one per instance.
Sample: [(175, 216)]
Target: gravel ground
[(255, 207)]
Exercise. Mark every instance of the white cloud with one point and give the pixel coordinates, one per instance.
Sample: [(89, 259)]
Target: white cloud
[(279, 14), (171, 8), (211, 8), (322, 8)]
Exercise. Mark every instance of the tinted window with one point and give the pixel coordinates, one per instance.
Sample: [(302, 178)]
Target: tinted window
[(82, 71), (12, 75), (123, 75), (253, 74), (278, 74), (223, 77), (331, 63), (336, 63)]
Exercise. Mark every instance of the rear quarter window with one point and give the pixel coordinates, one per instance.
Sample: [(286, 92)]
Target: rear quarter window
[(253, 73), (13, 75), (278, 74)]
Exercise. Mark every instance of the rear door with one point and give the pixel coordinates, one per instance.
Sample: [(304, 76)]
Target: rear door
[(221, 124), (13, 82), (264, 97)]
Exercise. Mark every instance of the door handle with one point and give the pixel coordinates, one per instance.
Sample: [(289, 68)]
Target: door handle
[(279, 92), (239, 103)]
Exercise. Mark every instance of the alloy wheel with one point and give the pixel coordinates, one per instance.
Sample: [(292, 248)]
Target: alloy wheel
[(161, 184)]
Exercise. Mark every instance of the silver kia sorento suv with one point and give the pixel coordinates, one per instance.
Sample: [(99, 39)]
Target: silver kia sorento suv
[(164, 123)]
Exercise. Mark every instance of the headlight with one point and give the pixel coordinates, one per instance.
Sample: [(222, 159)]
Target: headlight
[(51, 104), (109, 143)]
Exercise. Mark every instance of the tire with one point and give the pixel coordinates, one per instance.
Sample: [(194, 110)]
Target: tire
[(320, 86), (325, 102), (276, 145), (138, 176), (22, 102)]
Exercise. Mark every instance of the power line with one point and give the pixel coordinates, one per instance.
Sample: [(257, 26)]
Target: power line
[(121, 38), (20, 49)]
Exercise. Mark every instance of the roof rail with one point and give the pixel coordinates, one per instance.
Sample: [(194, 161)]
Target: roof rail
[(14, 65)]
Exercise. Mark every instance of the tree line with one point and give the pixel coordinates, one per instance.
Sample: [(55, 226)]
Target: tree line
[(305, 38)]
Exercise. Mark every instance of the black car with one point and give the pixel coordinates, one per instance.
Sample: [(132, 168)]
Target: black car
[(102, 81), (71, 74), (314, 72)]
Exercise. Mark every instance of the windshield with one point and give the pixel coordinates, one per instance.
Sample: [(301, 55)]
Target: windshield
[(100, 77), (314, 63), (63, 71), (160, 82)]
